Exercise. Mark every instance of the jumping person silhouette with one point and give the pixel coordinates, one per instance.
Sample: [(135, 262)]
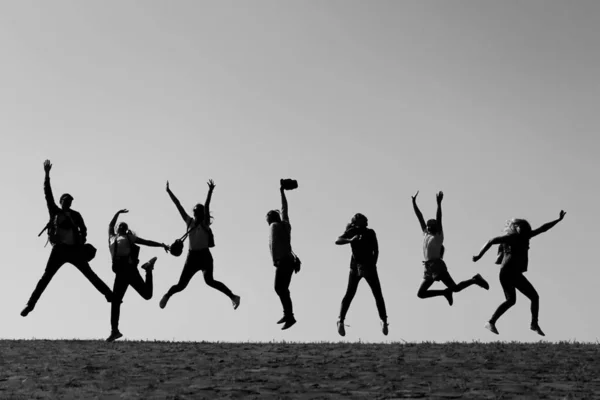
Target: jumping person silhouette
[(514, 261), (67, 234), (280, 246), (433, 251), (363, 264), (124, 251), (199, 258)]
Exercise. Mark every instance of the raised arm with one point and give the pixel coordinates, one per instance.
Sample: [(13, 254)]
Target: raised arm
[(347, 237), (490, 243), (418, 212), (151, 243), (548, 225), (284, 206), (113, 222), (52, 207), (211, 187), (184, 215), (438, 215)]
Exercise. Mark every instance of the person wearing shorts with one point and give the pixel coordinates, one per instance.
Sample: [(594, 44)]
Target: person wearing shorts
[(433, 252), (199, 258)]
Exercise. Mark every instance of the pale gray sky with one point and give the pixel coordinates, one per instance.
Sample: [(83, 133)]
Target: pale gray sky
[(495, 103)]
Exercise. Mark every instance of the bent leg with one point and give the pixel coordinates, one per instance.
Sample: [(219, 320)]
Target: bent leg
[(375, 284), (188, 272), (283, 278), (449, 282), (508, 285), (424, 292), (55, 261), (525, 287), (144, 288), (353, 280)]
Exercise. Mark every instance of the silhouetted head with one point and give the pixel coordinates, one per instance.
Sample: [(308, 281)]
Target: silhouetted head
[(273, 216), (122, 228), (198, 212), (359, 220), (65, 201), (432, 226), (517, 226)]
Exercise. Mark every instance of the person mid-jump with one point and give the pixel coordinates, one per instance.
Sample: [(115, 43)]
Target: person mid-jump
[(67, 234), (433, 251)]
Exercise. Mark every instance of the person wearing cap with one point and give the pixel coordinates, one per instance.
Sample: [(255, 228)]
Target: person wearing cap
[(280, 231), (67, 234), (363, 264), (433, 251), (199, 258)]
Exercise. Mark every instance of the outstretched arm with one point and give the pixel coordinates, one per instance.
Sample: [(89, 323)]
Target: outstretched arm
[(418, 212), (151, 243), (486, 247), (211, 187), (548, 225), (113, 222), (284, 206), (438, 215), (52, 207), (184, 215)]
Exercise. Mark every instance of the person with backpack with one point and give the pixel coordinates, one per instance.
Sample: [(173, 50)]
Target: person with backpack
[(433, 251), (514, 258), (285, 261), (199, 258), (124, 250), (67, 234), (363, 264)]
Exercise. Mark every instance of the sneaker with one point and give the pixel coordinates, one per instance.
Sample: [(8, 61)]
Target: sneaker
[(236, 302), (114, 335), (163, 301), (536, 328), (448, 296), (149, 266), (26, 310), (341, 328), (289, 322), (384, 328), (481, 282), (491, 327), (282, 320)]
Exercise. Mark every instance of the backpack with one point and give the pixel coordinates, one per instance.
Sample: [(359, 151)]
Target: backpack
[(52, 228)]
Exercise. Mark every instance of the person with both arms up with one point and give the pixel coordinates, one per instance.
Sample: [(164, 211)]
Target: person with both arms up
[(433, 253), (199, 258), (67, 234)]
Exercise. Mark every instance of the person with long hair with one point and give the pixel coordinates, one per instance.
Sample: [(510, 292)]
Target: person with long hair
[(514, 261), (199, 258), (284, 259), (67, 234), (123, 245), (433, 252), (363, 264)]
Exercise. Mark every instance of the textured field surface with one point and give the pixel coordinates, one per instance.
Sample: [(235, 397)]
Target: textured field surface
[(171, 370)]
